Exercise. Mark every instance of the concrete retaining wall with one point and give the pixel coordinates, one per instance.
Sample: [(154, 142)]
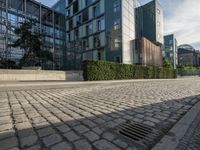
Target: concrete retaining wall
[(36, 75)]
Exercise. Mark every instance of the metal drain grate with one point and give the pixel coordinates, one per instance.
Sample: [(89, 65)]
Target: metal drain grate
[(139, 133)]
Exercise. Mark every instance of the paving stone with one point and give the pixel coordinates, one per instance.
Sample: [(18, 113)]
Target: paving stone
[(35, 147), (45, 131), (7, 133), (91, 136), (98, 130), (63, 128), (5, 120), (109, 136), (81, 129), (99, 121), (8, 143), (61, 146), (154, 120), (51, 140), (120, 143), (5, 127), (160, 117), (105, 145), (149, 123), (89, 123), (110, 124), (82, 145), (71, 136), (28, 141), (15, 148)]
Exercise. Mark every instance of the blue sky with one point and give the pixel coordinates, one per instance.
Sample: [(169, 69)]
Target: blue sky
[(181, 17)]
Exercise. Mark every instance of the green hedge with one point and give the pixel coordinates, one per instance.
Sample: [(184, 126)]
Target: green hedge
[(103, 70)]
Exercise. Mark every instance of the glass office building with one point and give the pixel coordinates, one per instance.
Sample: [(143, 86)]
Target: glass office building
[(170, 49), (49, 22)]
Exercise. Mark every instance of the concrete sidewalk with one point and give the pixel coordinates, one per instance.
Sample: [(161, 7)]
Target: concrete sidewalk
[(51, 83)]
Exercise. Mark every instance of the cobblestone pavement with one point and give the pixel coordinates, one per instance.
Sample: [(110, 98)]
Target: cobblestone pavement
[(191, 140), (83, 117)]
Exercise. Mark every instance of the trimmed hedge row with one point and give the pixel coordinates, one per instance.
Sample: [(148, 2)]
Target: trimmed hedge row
[(103, 70)]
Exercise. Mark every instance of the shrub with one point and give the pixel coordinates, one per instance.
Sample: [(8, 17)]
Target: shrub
[(103, 70), (188, 70)]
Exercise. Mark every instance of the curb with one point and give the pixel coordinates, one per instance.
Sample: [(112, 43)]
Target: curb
[(172, 139)]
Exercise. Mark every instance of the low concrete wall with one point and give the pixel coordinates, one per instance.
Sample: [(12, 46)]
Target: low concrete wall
[(36, 75)]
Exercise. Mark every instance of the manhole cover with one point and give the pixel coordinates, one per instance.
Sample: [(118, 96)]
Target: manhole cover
[(139, 133)]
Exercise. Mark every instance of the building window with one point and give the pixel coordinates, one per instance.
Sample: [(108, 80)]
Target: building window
[(96, 10), (85, 16), (75, 7), (78, 20), (100, 24), (69, 2), (100, 54), (68, 13), (158, 23), (70, 24), (118, 59), (117, 43), (68, 36), (88, 2), (85, 44), (97, 41), (117, 24), (116, 6), (76, 34), (158, 11), (89, 29)]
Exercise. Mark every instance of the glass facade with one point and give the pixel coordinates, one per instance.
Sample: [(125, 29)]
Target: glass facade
[(128, 30), (50, 23), (149, 22), (170, 49), (85, 26), (107, 29)]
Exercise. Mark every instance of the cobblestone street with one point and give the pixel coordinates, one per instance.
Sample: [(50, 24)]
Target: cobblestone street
[(84, 118)]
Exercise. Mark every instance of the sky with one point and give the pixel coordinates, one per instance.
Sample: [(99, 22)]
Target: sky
[(181, 18)]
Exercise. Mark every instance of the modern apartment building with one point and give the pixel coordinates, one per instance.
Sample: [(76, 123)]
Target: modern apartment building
[(108, 29), (60, 6), (170, 51), (100, 30), (149, 22), (49, 22), (149, 34)]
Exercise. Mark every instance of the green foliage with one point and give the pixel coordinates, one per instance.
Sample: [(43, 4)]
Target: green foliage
[(103, 70), (167, 64), (7, 64), (188, 70), (31, 43)]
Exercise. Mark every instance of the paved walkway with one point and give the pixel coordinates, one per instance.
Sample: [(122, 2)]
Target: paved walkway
[(83, 118), (191, 140)]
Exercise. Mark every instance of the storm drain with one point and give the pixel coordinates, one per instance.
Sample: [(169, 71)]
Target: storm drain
[(139, 133)]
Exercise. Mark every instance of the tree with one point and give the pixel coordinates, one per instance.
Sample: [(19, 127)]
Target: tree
[(7, 63), (31, 43), (167, 63)]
